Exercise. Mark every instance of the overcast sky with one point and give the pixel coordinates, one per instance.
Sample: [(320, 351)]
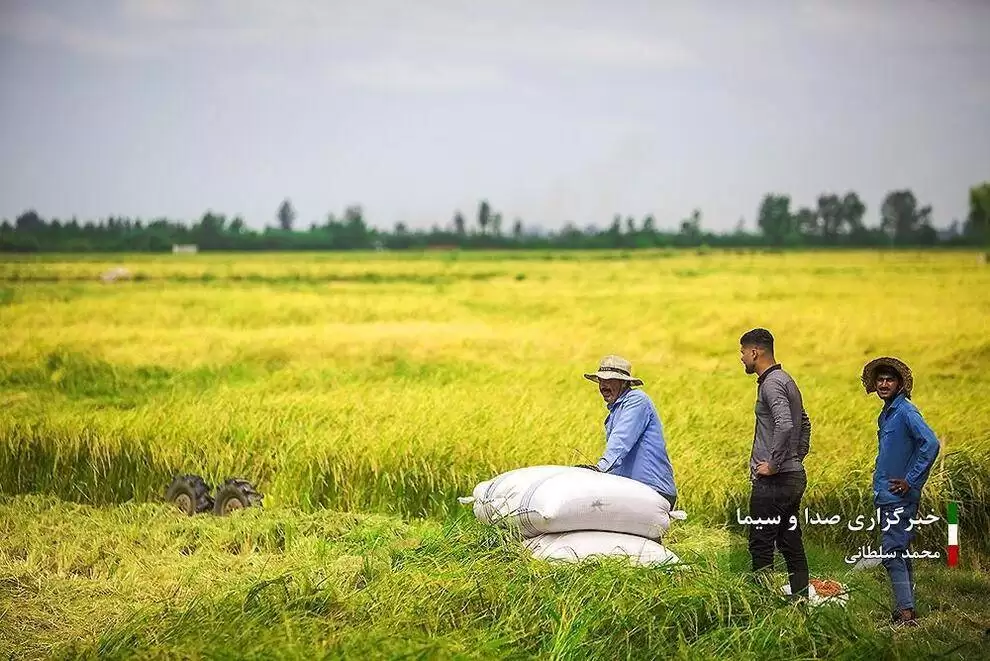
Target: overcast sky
[(554, 111)]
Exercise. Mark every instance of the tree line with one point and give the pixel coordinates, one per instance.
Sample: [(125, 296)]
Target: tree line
[(835, 220)]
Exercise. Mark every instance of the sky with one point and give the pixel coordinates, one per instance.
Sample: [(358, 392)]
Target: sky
[(556, 112)]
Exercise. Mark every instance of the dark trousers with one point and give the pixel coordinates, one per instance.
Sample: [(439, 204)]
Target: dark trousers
[(773, 496)]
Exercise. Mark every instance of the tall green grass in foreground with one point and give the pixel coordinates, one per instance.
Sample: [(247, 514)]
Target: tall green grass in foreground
[(144, 581), (364, 391)]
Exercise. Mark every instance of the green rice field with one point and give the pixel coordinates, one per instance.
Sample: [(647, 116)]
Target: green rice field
[(363, 393)]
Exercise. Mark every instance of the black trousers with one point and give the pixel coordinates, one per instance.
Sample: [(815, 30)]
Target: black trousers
[(773, 496)]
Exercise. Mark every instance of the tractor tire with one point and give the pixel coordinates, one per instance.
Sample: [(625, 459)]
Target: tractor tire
[(190, 494), (235, 494)]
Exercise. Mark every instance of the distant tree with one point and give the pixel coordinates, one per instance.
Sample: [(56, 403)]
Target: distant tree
[(829, 215), (354, 216), (630, 225), (29, 221), (517, 228), (901, 218), (853, 211), (691, 226), (805, 221), (497, 224), (570, 233), (286, 215), (926, 234), (211, 224), (459, 223), (615, 228), (353, 232), (484, 215), (649, 224), (740, 226), (978, 220), (400, 228), (774, 217), (237, 225)]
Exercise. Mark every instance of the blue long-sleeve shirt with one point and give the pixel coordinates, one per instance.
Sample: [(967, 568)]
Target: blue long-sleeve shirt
[(907, 448), (634, 443)]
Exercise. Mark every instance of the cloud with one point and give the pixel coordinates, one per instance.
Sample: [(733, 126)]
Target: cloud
[(38, 28), (482, 39), (978, 91), (539, 36), (159, 11), (912, 23), (396, 74), (595, 47)]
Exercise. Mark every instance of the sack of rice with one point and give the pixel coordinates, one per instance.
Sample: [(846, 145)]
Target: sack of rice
[(551, 499), (583, 544)]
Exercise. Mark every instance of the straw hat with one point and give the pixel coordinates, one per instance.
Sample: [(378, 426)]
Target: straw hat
[(869, 377), (614, 367)]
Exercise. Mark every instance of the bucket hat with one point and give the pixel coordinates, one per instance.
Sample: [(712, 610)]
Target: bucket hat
[(614, 367)]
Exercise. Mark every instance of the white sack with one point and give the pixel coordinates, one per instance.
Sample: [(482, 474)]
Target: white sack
[(577, 546), (550, 499)]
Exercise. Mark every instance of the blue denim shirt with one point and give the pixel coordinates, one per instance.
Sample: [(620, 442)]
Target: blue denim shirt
[(634, 443), (907, 448)]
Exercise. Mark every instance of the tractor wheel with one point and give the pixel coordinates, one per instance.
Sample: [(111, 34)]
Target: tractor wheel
[(190, 494), (235, 494)]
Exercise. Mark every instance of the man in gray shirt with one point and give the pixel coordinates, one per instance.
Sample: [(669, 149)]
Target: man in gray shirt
[(781, 441)]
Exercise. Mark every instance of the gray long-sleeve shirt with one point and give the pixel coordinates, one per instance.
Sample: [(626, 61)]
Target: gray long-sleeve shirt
[(783, 430)]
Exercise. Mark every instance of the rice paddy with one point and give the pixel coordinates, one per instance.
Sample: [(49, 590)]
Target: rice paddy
[(363, 393)]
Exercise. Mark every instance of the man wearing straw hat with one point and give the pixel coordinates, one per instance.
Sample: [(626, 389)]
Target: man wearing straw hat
[(634, 445), (907, 448)]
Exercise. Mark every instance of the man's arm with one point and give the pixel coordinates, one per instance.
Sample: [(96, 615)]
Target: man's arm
[(805, 443), (783, 423), (928, 451), (632, 420)]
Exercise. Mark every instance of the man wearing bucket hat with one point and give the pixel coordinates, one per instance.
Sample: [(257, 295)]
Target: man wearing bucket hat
[(907, 449), (634, 442)]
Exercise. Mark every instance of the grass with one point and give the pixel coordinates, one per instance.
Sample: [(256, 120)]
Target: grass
[(364, 393), (143, 580)]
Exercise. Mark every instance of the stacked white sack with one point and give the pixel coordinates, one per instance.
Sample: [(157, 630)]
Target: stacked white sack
[(576, 546), (546, 499)]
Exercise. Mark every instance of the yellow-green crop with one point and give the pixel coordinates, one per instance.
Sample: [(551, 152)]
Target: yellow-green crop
[(397, 383), (394, 383)]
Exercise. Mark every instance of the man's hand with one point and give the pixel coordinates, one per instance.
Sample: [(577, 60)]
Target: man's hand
[(763, 469), (589, 467), (898, 486)]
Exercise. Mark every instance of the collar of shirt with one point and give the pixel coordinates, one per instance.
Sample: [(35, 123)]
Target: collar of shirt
[(618, 400), (766, 373), (889, 407)]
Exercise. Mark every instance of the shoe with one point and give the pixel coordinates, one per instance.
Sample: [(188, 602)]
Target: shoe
[(904, 618)]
